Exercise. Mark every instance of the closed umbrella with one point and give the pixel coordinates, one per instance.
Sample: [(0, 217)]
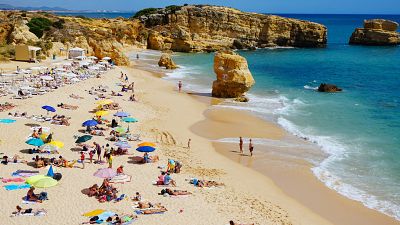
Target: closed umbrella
[(90, 123), (105, 173), (122, 114), (145, 149), (37, 142), (45, 182), (83, 138)]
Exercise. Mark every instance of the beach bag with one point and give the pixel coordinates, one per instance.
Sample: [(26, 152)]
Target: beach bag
[(57, 176), (43, 196)]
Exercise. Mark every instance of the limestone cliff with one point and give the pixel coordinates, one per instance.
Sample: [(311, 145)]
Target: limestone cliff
[(233, 75), (167, 62), (376, 32), (210, 28)]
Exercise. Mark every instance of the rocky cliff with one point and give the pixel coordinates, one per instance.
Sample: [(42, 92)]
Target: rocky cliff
[(376, 32), (233, 75), (210, 28)]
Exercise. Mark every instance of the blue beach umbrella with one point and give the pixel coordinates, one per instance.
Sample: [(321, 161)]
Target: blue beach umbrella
[(130, 120), (48, 108), (145, 149), (122, 114), (7, 121), (35, 142), (90, 123)]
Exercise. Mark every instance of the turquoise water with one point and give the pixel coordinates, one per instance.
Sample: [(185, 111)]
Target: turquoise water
[(359, 129)]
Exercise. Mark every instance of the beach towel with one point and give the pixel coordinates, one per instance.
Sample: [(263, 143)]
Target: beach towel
[(95, 212), (15, 179), (38, 212), (104, 216), (28, 202), (12, 187), (139, 212)]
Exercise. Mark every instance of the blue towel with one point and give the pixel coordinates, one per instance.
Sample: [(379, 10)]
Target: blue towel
[(104, 216), (12, 187)]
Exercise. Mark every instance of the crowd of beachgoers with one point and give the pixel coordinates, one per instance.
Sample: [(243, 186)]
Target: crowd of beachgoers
[(45, 150)]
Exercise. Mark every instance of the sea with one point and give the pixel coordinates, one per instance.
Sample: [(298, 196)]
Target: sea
[(358, 129)]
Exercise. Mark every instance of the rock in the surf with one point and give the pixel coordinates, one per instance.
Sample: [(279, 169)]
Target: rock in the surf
[(376, 32), (233, 75), (328, 88), (167, 62)]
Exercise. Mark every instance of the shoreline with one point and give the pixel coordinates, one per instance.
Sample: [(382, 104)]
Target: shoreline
[(299, 181)]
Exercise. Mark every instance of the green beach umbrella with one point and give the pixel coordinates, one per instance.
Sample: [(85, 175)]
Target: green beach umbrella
[(45, 183), (83, 138), (120, 130), (33, 179)]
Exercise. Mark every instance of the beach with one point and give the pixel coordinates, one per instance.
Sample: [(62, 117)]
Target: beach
[(170, 118)]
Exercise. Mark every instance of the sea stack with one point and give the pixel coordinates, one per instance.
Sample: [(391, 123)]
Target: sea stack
[(376, 32), (328, 88), (234, 78), (167, 62)]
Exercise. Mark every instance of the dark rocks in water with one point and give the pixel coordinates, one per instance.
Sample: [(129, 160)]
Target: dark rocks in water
[(328, 88), (242, 99)]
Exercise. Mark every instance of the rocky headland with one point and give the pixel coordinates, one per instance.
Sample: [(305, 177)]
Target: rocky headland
[(376, 32)]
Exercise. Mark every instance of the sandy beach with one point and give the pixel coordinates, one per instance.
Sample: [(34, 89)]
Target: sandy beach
[(169, 118)]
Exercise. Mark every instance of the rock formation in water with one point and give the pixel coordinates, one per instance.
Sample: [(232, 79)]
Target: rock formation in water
[(204, 28), (376, 32), (167, 62), (328, 88), (233, 75)]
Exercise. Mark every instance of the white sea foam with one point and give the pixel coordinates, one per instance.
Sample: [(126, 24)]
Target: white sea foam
[(310, 87)]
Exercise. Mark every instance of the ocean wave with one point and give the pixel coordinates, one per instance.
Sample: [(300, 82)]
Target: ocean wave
[(324, 171), (310, 87)]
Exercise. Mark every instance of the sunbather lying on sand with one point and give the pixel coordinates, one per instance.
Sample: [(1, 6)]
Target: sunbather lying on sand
[(65, 106), (33, 212), (113, 93), (174, 192), (205, 183), (97, 132), (233, 223), (75, 96)]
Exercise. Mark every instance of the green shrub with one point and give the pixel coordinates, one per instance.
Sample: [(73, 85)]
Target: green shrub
[(59, 24), (38, 25), (173, 8), (145, 12)]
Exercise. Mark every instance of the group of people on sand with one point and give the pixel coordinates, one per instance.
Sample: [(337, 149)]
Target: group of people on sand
[(251, 146), (105, 193), (66, 106), (6, 106), (60, 120)]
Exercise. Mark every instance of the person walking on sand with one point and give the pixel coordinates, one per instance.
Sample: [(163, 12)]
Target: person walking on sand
[(126, 78), (83, 160), (98, 150), (180, 86), (241, 145), (251, 148), (188, 144)]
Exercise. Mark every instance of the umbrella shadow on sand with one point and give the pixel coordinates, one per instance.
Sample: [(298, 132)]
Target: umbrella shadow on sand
[(136, 160), (76, 149), (83, 131), (25, 151), (85, 191), (32, 125)]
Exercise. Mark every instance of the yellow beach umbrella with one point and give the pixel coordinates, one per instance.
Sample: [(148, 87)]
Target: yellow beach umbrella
[(102, 113), (58, 144), (151, 144), (105, 102), (44, 136), (33, 179)]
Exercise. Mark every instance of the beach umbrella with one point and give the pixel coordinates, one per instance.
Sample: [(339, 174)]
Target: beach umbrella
[(33, 179), (83, 138), (7, 121), (58, 144), (122, 144), (90, 123), (151, 144), (104, 102), (92, 57), (45, 182), (130, 120), (145, 149), (120, 130), (122, 114), (102, 113), (105, 173), (48, 108), (49, 78), (106, 58), (35, 142)]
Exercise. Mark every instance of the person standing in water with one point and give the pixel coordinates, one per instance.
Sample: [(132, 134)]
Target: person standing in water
[(180, 86), (251, 148), (241, 145)]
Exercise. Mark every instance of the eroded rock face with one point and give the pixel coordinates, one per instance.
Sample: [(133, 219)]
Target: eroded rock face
[(328, 88), (233, 75), (376, 32), (213, 28), (167, 62), (21, 34)]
